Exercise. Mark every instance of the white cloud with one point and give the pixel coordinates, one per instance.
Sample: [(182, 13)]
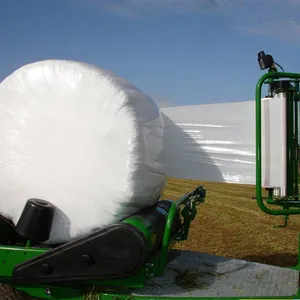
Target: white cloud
[(275, 18), (288, 30), (150, 8)]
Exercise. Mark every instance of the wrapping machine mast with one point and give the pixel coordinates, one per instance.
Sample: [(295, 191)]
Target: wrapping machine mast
[(277, 140)]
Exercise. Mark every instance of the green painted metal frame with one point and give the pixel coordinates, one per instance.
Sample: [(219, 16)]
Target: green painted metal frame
[(285, 211), (12, 255)]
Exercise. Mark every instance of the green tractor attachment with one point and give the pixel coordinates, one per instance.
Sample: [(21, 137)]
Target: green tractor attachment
[(287, 85), (121, 256), (133, 259)]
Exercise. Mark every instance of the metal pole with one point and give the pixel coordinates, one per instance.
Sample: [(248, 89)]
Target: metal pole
[(296, 110)]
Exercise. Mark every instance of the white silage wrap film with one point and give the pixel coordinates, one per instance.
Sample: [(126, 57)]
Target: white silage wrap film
[(217, 142), (82, 138)]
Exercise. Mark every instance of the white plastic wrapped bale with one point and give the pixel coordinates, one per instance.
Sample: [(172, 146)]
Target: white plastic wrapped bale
[(211, 142), (216, 142), (81, 138)]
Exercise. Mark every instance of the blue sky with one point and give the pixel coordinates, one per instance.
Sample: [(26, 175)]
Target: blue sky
[(180, 52)]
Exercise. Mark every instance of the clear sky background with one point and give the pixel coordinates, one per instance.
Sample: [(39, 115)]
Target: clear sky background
[(180, 52)]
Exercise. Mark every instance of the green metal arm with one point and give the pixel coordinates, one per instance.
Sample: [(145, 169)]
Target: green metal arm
[(189, 212), (259, 199)]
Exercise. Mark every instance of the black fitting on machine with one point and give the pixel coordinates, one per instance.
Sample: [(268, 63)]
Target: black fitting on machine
[(265, 61), (280, 86), (8, 235), (36, 219)]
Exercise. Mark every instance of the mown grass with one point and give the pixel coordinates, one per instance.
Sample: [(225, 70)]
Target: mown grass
[(230, 224)]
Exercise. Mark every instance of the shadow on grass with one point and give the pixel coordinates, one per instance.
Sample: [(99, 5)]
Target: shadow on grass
[(280, 260)]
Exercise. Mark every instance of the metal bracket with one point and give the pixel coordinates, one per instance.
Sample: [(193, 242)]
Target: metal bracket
[(285, 224)]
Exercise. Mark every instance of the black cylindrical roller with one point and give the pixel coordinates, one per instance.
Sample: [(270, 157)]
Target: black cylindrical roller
[(156, 217), (36, 219)]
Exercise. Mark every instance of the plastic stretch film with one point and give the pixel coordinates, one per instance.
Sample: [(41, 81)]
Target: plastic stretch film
[(82, 138), (216, 142)]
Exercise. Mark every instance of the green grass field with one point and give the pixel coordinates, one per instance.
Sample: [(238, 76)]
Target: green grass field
[(230, 224)]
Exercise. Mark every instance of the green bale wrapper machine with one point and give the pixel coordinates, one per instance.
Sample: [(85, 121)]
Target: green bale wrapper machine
[(133, 258)]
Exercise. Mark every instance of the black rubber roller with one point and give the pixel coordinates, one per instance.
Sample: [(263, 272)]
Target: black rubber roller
[(36, 219)]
